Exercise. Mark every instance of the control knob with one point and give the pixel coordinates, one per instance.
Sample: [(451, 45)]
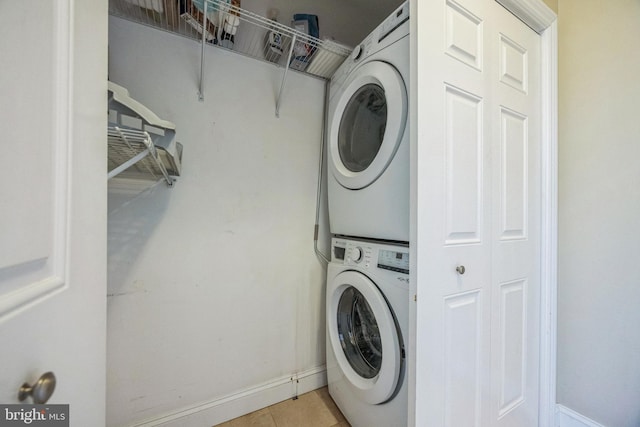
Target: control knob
[(357, 52), (356, 254)]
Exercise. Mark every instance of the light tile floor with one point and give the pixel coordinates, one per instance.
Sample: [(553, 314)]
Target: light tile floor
[(314, 409)]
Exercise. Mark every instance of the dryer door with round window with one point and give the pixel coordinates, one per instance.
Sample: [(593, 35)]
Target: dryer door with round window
[(367, 122), (364, 337)]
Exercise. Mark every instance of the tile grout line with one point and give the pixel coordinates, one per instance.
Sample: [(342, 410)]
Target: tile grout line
[(273, 420)]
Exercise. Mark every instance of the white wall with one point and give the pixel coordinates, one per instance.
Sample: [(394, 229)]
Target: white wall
[(599, 236), (213, 285)]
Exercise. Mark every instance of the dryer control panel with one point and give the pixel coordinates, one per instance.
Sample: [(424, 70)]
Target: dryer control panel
[(381, 37), (366, 255), (392, 29), (397, 18)]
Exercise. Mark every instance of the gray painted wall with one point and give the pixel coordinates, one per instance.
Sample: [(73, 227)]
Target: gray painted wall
[(599, 218)]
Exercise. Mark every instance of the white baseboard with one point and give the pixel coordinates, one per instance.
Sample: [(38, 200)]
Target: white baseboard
[(566, 417), (243, 402)]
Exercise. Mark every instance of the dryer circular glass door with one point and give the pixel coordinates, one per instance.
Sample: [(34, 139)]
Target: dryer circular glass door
[(364, 336), (367, 124)]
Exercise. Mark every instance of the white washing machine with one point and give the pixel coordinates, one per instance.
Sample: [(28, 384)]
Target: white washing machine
[(367, 326), (368, 136)]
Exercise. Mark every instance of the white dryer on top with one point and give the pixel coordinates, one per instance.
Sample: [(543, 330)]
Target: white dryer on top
[(368, 136)]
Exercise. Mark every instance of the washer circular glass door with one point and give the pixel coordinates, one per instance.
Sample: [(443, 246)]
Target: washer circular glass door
[(364, 336), (367, 124)]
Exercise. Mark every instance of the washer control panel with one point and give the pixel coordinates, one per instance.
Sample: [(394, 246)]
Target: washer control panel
[(394, 261), (371, 255)]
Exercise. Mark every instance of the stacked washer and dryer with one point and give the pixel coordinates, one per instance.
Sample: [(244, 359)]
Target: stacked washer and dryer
[(368, 192)]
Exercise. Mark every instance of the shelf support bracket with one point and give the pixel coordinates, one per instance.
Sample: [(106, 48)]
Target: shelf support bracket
[(204, 41), (150, 150), (284, 76), (132, 161)]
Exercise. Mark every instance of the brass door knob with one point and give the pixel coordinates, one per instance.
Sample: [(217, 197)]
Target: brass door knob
[(41, 391)]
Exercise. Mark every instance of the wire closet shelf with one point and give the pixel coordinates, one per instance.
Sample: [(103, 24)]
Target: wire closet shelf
[(230, 27), (140, 144)]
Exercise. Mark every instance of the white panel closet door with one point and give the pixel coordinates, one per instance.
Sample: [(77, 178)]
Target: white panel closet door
[(53, 205), (478, 219), (515, 319)]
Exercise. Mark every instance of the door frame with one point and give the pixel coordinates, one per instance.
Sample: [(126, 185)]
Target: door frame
[(537, 15)]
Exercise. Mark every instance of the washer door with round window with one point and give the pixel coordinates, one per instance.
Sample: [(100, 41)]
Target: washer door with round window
[(367, 122), (364, 337)]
